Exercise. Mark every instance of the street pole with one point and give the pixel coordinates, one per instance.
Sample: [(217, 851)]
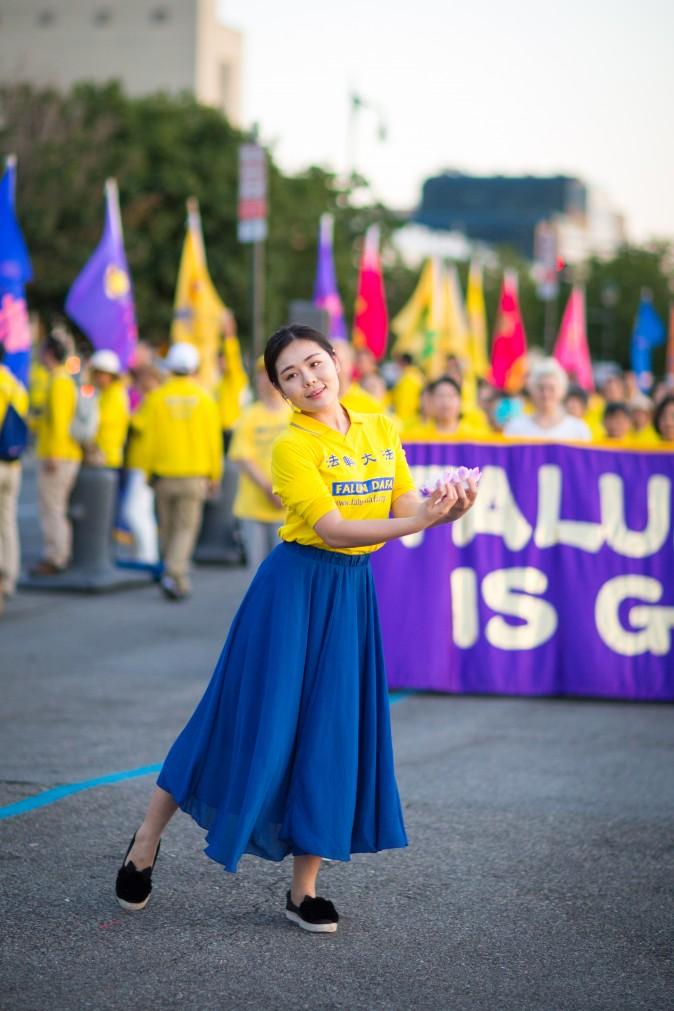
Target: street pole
[(550, 320), (257, 315)]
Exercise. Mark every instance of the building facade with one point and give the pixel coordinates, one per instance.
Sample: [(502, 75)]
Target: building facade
[(148, 45), (507, 210)]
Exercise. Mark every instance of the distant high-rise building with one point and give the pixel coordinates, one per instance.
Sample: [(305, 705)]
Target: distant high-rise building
[(148, 45), (506, 210)]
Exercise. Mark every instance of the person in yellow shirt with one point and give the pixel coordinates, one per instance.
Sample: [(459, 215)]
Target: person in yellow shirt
[(641, 412), (182, 455), (289, 750), (617, 423), (233, 386), (113, 408), (351, 393), (38, 380), (406, 394), (663, 421), (445, 422), (256, 506), (59, 457), (13, 394)]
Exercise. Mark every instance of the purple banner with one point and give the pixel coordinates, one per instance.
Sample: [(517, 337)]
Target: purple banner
[(559, 581)]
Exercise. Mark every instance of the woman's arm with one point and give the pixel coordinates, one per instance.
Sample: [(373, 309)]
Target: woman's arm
[(258, 478), (338, 532)]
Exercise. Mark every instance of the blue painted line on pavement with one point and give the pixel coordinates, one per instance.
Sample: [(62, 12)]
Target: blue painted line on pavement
[(399, 697), (59, 792)]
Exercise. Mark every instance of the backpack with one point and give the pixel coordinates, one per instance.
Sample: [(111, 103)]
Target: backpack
[(13, 435), (84, 425)]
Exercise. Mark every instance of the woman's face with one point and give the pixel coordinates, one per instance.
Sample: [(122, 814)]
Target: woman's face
[(667, 423), (308, 376), (446, 404), (546, 394)]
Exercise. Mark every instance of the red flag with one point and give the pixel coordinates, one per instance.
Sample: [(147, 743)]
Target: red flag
[(509, 348), (370, 327), (571, 349)]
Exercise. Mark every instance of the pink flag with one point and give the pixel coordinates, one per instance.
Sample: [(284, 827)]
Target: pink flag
[(370, 327), (571, 350), (509, 348)]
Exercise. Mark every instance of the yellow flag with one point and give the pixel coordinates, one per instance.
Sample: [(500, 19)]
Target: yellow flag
[(478, 360), (417, 325), (454, 328), (198, 310)]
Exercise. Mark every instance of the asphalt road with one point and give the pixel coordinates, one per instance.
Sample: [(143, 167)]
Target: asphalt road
[(539, 874)]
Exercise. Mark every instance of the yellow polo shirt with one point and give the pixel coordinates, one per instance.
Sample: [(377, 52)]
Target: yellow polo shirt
[(316, 469), (54, 440), (359, 400), (255, 433), (181, 431), (427, 431), (113, 425), (406, 393)]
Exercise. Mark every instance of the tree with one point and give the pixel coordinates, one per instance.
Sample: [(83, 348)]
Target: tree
[(161, 150)]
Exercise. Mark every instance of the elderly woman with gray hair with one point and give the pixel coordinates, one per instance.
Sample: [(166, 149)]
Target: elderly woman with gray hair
[(548, 384)]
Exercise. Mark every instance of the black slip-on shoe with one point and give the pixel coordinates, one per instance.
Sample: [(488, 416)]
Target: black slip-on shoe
[(316, 915), (133, 887)]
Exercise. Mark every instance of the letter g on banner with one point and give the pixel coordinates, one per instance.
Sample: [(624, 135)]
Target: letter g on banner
[(651, 627)]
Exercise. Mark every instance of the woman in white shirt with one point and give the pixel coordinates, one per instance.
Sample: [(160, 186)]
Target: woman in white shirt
[(547, 384)]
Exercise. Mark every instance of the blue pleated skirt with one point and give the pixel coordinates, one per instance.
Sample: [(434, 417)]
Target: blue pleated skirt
[(289, 750)]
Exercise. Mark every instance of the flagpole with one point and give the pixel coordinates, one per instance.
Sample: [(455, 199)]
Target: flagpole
[(10, 165), (112, 200)]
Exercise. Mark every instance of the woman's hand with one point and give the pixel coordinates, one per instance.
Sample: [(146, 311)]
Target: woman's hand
[(437, 508), (466, 498)]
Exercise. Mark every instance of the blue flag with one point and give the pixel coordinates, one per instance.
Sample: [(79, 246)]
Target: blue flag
[(100, 300), (648, 333), (15, 271)]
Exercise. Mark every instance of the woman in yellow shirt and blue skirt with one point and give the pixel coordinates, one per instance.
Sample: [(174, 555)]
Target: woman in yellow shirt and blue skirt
[(289, 751)]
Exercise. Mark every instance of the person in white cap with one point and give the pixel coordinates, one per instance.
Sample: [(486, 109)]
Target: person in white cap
[(182, 455), (113, 407)]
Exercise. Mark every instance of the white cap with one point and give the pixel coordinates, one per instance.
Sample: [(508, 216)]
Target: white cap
[(106, 361), (183, 359)]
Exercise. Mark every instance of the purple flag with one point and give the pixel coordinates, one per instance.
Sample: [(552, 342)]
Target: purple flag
[(101, 298), (15, 270), (557, 582), (326, 295)]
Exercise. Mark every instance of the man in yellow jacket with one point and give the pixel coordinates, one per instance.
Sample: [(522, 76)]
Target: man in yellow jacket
[(113, 408), (182, 455), (59, 457), (12, 394)]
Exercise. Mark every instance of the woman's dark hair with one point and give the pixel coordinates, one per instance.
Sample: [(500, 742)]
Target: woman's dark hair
[(280, 340), (56, 347), (432, 387), (660, 410), (573, 390), (616, 407)]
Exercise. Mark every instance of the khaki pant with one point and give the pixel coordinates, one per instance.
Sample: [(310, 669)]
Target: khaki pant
[(10, 552), (259, 539), (54, 488), (180, 506)]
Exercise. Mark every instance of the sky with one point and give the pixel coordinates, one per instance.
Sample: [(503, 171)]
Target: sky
[(583, 88)]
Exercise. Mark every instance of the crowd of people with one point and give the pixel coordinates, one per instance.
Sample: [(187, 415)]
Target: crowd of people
[(166, 437)]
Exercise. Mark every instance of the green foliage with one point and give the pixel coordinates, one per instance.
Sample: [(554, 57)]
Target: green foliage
[(613, 290), (162, 150)]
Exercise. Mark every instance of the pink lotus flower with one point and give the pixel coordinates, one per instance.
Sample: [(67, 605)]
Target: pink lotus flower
[(454, 475)]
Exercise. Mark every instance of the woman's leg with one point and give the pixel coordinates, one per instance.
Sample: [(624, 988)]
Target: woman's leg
[(160, 810), (305, 872)]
